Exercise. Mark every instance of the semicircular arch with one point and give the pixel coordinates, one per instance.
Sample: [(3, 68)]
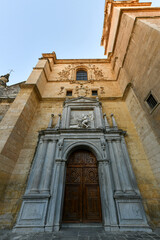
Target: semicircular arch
[(79, 145)]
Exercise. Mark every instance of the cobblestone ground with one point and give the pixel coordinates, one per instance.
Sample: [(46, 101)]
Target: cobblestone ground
[(80, 234)]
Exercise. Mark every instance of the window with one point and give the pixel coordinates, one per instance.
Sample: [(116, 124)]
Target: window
[(69, 93), (94, 93), (81, 75), (152, 102)]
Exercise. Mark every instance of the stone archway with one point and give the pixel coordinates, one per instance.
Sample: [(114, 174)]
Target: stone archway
[(82, 196)]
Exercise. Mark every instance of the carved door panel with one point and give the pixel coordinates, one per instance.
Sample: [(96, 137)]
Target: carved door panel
[(82, 197)]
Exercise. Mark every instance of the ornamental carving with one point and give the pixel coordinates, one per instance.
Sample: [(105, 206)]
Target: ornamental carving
[(90, 175), (69, 74), (61, 91), (82, 91), (73, 175), (97, 72), (82, 158), (64, 75), (102, 90), (83, 122), (84, 82)]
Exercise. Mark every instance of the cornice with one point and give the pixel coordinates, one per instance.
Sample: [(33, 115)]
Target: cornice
[(108, 13), (32, 86), (80, 61)]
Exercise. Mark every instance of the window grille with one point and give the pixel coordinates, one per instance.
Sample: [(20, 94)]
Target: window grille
[(81, 75), (69, 93), (94, 93), (151, 101)]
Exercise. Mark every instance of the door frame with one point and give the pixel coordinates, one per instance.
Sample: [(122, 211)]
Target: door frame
[(55, 207), (83, 188)]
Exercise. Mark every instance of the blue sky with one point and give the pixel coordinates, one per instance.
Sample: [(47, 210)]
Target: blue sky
[(29, 28)]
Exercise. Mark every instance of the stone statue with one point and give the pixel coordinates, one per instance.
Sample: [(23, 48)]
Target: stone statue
[(4, 79), (84, 121)]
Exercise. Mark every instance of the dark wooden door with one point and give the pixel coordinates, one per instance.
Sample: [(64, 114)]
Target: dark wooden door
[(82, 196)]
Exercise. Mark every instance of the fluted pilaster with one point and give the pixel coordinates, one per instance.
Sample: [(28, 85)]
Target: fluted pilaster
[(47, 167), (36, 172)]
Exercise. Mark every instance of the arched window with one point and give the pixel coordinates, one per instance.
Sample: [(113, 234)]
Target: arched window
[(81, 75)]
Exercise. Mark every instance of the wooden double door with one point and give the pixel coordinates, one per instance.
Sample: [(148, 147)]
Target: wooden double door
[(82, 196)]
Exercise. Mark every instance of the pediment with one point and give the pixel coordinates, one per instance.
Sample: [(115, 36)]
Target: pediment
[(82, 99)]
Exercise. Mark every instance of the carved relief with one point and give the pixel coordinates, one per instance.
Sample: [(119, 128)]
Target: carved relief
[(90, 175), (84, 82), (82, 91), (82, 157), (64, 75), (69, 74), (81, 119), (73, 175), (97, 72), (61, 91), (102, 90)]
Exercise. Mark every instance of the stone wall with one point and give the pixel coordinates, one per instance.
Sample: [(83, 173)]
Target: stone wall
[(134, 52), (44, 94), (7, 96), (18, 179), (138, 65), (13, 130)]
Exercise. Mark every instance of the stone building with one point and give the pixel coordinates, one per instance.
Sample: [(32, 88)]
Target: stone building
[(79, 143)]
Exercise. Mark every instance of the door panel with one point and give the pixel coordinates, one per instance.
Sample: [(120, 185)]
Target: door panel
[(92, 206), (82, 197), (72, 207)]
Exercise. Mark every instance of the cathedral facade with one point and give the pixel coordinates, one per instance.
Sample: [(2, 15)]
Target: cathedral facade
[(80, 139)]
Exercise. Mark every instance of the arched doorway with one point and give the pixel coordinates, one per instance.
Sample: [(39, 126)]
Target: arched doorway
[(82, 196)]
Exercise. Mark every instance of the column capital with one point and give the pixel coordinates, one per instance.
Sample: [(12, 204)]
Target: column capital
[(104, 161), (60, 160), (114, 139)]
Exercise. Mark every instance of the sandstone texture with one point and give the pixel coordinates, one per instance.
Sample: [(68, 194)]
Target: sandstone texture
[(123, 81)]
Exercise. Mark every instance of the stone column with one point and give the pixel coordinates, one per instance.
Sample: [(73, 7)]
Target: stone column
[(104, 199), (107, 197), (115, 172), (36, 171), (60, 197), (120, 164), (128, 165), (127, 184), (57, 192), (47, 167)]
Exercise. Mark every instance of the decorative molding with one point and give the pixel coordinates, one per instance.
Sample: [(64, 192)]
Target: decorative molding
[(82, 82), (94, 73)]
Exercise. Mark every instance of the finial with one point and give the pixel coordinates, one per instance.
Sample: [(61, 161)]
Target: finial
[(106, 122), (51, 121), (114, 121), (58, 125)]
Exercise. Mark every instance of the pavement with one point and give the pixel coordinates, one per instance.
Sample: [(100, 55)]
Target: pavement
[(80, 234)]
